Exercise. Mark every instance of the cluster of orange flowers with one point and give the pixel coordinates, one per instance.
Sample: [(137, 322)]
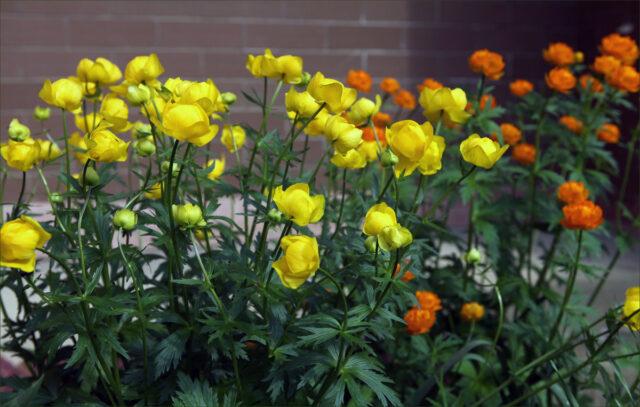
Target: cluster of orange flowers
[(488, 63), (421, 318), (579, 212)]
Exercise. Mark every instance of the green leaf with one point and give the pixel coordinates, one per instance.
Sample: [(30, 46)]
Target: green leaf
[(170, 352)]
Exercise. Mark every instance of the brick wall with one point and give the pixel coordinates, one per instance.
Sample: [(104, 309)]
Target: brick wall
[(197, 39)]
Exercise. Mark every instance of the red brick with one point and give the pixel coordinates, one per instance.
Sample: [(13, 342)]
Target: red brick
[(184, 64), (19, 95), (111, 33), (481, 12), (57, 8), (200, 35), (367, 37), (325, 9), (393, 10), (225, 64), (23, 64), (440, 39), (285, 36), (335, 66), (17, 31)]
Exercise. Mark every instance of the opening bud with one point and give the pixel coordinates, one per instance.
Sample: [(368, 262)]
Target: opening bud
[(91, 177), (188, 215), (274, 215), (306, 78), (18, 131), (55, 197), (371, 243), (473, 256), (165, 168), (125, 219), (41, 113), (145, 148), (138, 94), (388, 159), (228, 98)]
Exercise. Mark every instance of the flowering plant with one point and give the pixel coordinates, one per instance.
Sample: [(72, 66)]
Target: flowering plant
[(333, 279)]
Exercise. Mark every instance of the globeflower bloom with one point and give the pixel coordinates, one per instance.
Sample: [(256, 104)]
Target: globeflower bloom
[(524, 153), (626, 79), (429, 300), (21, 155), (297, 204), (115, 111), (218, 168), (559, 54), (431, 161), (589, 82), (381, 221), (404, 99), (48, 150), (342, 135), (352, 159), (359, 80), (573, 124), (300, 103), (19, 240), (233, 137), (300, 261), (337, 97), (631, 307), (472, 312), (409, 141), (510, 134), (429, 83), (104, 146), (154, 192), (620, 46), (389, 85), (204, 94), (481, 151), (560, 79), (18, 131), (444, 103), (520, 87), (609, 133), (143, 68), (487, 63), (572, 192), (63, 93), (79, 147), (101, 71), (188, 123), (287, 67), (606, 64), (419, 321), (584, 215), (363, 109)]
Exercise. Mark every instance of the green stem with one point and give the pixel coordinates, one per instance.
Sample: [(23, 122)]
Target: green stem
[(67, 161), (386, 186), (448, 192), (415, 205), (342, 197), (16, 207)]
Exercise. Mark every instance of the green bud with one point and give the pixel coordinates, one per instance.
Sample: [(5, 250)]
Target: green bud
[(187, 215), (228, 98), (141, 130), (138, 95), (125, 219), (165, 168), (306, 78), (91, 177), (473, 256), (274, 215), (145, 148), (55, 197), (371, 243), (388, 159), (18, 131), (41, 113)]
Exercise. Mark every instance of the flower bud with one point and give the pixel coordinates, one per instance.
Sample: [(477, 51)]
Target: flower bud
[(188, 215), (578, 57), (473, 256), (18, 131), (138, 95), (55, 197), (388, 158), (165, 168), (274, 215), (125, 219), (145, 148), (370, 244), (228, 98), (91, 177), (41, 113), (306, 77)]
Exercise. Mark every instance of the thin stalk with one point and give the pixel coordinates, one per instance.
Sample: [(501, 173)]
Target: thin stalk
[(342, 196), (16, 207), (448, 192), (386, 186), (415, 205), (67, 161), (304, 155)]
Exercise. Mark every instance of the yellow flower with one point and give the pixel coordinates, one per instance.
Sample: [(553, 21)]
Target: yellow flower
[(218, 168), (631, 305), (369, 150), (21, 155), (116, 112), (154, 106), (363, 109), (104, 146), (317, 125), (143, 68), (352, 159), (79, 147), (63, 93), (337, 97), (431, 161), (296, 203), (409, 140), (48, 150), (89, 122), (100, 71), (472, 311), (233, 138), (177, 85), (141, 130), (481, 151), (300, 103), (286, 67), (154, 192), (342, 135), (378, 217), (300, 260), (188, 123), (19, 239), (394, 237), (446, 103), (204, 94)]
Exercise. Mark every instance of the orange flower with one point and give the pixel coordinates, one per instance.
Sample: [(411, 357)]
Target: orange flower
[(419, 321), (520, 87), (594, 84), (572, 192), (359, 80), (487, 99), (367, 135), (560, 80), (389, 85), (609, 133), (559, 53), (625, 78), (620, 46), (381, 119), (524, 153), (606, 64), (407, 276), (488, 63), (583, 215), (573, 124), (471, 312), (429, 83), (510, 134), (405, 99), (429, 300)]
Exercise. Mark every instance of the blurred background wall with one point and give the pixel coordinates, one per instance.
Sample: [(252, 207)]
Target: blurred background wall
[(196, 39)]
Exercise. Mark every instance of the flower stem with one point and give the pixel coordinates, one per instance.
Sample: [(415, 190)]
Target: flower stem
[(16, 207)]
